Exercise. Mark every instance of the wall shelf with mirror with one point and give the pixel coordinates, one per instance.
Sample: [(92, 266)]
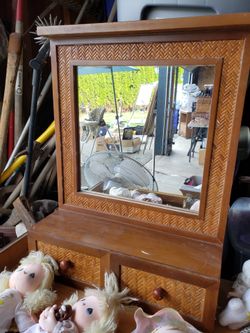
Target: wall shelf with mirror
[(159, 245)]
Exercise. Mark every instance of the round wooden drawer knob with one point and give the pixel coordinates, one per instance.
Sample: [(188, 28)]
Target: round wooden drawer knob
[(159, 294), (65, 265)]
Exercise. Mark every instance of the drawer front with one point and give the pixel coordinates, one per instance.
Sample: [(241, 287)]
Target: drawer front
[(183, 297), (11, 254), (85, 268)]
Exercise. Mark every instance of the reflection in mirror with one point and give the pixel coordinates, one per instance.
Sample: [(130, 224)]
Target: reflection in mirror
[(143, 132)]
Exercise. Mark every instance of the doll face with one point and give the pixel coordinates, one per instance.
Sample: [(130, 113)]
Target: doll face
[(85, 311), (27, 278)]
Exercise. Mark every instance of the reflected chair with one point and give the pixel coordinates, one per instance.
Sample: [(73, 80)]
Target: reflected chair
[(91, 125), (198, 134), (90, 128)]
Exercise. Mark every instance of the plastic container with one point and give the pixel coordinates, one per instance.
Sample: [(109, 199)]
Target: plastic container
[(193, 189), (131, 10)]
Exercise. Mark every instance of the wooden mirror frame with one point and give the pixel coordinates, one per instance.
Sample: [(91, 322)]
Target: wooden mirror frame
[(216, 63), (203, 40)]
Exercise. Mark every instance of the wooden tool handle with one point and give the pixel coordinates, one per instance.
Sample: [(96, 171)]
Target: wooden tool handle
[(14, 47), (14, 51)]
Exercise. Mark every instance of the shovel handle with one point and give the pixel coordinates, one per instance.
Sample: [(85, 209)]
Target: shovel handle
[(14, 51)]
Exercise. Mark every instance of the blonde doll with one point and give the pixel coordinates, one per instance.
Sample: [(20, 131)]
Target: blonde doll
[(96, 312), (27, 290)]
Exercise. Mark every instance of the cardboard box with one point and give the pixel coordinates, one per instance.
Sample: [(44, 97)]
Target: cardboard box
[(128, 146), (131, 146), (184, 130), (112, 144), (202, 153), (100, 144), (203, 104)]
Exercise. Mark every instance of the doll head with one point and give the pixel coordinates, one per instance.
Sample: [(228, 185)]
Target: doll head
[(33, 279), (96, 312), (163, 321)]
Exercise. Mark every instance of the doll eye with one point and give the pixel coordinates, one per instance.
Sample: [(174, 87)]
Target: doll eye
[(19, 270), (89, 311), (32, 275)]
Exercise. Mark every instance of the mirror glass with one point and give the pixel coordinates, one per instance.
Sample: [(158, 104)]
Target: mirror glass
[(143, 132)]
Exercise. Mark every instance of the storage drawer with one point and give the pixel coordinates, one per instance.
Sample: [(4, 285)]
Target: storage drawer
[(86, 268), (188, 299), (11, 254)]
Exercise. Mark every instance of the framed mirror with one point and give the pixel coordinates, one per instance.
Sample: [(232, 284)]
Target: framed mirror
[(214, 65), (127, 97), (145, 131)]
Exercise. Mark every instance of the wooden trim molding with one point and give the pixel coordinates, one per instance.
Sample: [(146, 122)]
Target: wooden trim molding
[(229, 54), (218, 23)]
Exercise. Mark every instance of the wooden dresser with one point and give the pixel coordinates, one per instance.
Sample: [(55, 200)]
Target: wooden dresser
[(166, 256)]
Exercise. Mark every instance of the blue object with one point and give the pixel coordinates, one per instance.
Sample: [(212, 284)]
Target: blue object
[(108, 7), (161, 111), (102, 131), (175, 120)]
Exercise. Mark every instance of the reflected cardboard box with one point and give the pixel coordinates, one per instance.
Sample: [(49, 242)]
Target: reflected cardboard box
[(128, 146), (131, 146), (203, 104), (100, 144), (202, 153), (184, 130)]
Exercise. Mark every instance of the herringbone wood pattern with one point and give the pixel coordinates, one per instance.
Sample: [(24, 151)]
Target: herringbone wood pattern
[(230, 51), (81, 263), (185, 298)]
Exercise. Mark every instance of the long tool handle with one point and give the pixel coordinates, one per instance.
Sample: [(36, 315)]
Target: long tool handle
[(37, 63), (19, 79), (43, 92), (14, 52), (26, 127)]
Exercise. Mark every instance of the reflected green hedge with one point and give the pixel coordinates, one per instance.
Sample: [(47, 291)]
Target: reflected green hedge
[(96, 90)]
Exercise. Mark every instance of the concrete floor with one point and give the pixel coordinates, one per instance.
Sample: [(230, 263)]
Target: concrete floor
[(170, 171)]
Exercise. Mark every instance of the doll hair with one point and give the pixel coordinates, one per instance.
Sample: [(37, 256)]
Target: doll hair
[(43, 296), (110, 301), (49, 265), (4, 280)]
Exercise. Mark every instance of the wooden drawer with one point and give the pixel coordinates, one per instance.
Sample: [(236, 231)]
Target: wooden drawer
[(191, 298), (141, 259), (86, 268), (185, 298), (11, 254)]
